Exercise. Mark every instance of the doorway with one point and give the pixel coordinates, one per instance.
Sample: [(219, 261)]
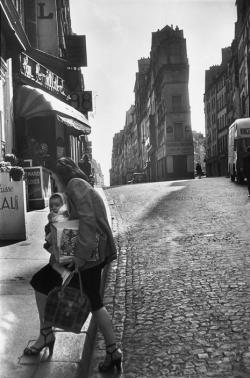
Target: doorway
[(180, 166)]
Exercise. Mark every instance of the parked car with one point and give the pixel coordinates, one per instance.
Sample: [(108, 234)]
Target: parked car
[(138, 178)]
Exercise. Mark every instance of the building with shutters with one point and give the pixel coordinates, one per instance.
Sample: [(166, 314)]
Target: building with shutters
[(226, 96), (125, 152), (162, 114)]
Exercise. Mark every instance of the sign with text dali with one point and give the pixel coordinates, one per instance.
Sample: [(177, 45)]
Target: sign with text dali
[(12, 209)]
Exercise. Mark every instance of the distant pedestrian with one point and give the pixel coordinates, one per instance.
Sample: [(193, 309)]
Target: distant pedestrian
[(246, 168), (198, 170), (87, 206)]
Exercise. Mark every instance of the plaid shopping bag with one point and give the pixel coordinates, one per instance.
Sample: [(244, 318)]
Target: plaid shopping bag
[(67, 308)]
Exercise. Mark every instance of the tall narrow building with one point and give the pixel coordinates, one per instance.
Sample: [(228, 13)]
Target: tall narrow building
[(173, 155), (164, 136)]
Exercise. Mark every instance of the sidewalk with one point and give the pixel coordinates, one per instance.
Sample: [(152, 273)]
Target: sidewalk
[(19, 318)]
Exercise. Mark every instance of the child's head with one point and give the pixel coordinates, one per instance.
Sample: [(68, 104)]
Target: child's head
[(55, 202)]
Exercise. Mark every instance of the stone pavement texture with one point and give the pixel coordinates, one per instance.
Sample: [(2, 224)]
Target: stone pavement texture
[(19, 318), (179, 293)]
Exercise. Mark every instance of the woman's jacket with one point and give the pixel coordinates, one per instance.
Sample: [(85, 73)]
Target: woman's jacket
[(86, 205)]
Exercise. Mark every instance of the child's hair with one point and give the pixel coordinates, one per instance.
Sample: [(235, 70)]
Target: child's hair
[(57, 195)]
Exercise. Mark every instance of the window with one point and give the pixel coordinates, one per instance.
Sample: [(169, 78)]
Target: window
[(176, 103), (178, 130), (170, 130), (175, 55)]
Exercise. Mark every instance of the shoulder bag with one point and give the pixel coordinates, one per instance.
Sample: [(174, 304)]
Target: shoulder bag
[(67, 307)]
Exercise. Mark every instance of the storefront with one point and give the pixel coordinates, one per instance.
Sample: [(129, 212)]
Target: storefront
[(46, 128)]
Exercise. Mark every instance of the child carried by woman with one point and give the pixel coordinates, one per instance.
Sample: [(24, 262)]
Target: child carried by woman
[(58, 213)]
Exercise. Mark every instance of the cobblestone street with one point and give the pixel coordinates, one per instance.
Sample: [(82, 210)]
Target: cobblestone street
[(179, 293)]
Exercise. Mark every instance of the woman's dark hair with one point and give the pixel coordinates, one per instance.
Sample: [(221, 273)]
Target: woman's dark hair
[(67, 169)]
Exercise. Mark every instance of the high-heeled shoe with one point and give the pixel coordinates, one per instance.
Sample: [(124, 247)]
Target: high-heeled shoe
[(113, 359), (34, 351)]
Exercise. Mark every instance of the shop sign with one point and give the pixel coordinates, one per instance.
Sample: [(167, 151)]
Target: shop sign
[(34, 183), (81, 101), (39, 186), (8, 200), (76, 50), (41, 75), (47, 29), (12, 209)]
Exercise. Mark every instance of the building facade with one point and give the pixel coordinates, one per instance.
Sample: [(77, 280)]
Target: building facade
[(97, 173), (116, 177), (226, 95), (199, 150), (162, 115), (125, 152), (48, 105), (13, 41)]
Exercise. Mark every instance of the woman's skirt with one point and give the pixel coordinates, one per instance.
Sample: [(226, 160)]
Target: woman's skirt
[(47, 279)]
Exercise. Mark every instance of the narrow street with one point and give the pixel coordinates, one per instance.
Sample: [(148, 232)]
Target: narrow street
[(179, 293)]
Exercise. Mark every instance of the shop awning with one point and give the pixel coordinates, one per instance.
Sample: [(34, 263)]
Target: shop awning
[(34, 102)]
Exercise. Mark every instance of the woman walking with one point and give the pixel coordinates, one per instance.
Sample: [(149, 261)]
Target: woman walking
[(87, 206)]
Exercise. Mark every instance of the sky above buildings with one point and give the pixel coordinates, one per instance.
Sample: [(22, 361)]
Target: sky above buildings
[(118, 33)]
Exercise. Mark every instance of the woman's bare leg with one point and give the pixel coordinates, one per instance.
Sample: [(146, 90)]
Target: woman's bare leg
[(41, 302), (104, 323), (114, 354)]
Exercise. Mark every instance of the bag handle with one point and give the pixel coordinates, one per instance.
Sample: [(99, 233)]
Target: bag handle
[(80, 280), (69, 278)]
